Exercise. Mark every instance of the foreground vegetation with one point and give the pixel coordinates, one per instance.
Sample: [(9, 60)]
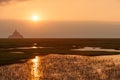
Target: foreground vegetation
[(64, 67)]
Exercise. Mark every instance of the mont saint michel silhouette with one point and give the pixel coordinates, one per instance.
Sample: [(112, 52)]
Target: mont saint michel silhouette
[(16, 34)]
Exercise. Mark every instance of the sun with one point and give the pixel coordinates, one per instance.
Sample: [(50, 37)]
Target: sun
[(35, 18)]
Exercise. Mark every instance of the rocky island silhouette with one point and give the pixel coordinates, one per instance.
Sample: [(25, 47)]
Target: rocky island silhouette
[(16, 34)]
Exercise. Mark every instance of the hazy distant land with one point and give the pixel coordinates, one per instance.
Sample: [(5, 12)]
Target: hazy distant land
[(61, 29)]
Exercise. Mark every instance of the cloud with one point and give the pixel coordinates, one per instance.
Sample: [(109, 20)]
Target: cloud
[(3, 2)]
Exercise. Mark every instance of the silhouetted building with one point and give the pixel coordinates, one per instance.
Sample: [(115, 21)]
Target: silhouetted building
[(16, 34)]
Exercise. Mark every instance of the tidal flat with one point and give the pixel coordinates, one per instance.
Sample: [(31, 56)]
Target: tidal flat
[(59, 59), (13, 50)]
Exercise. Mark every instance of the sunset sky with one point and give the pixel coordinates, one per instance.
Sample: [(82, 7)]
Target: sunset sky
[(63, 11), (77, 10)]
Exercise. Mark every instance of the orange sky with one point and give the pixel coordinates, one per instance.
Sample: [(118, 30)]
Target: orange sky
[(61, 18), (63, 10)]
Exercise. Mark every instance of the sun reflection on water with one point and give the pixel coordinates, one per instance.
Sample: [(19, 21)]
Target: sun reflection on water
[(36, 67), (34, 47)]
